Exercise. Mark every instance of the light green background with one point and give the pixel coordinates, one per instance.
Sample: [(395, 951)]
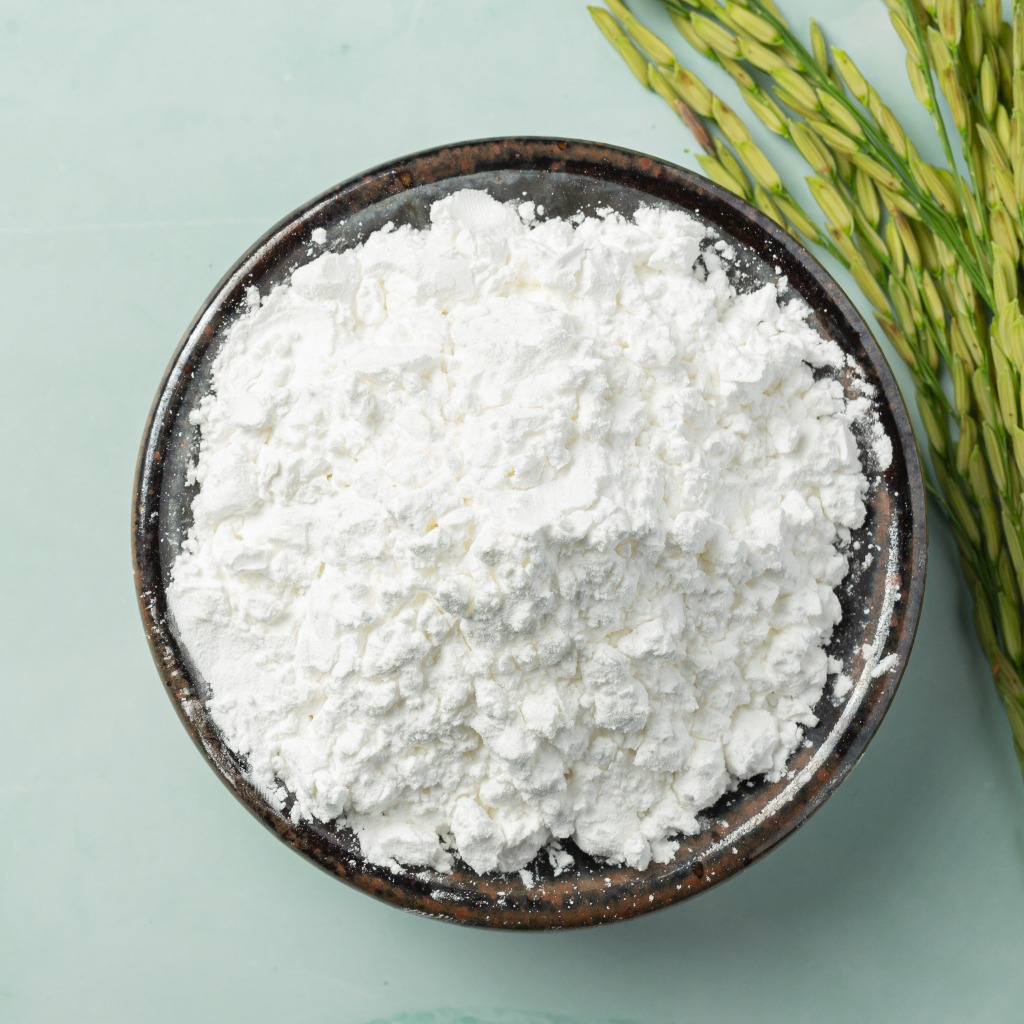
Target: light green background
[(144, 146)]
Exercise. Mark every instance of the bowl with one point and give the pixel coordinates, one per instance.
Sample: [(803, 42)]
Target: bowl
[(881, 601)]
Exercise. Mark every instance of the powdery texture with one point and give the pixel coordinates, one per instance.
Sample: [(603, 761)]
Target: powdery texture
[(510, 531)]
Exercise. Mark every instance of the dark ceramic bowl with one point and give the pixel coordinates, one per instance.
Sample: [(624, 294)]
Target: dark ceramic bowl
[(880, 602)]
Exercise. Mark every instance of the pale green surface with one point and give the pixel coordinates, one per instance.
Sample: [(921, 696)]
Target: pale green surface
[(144, 148)]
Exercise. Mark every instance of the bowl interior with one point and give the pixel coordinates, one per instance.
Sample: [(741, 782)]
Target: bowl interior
[(880, 598)]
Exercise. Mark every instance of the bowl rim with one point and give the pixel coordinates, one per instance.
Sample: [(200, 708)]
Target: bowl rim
[(488, 908)]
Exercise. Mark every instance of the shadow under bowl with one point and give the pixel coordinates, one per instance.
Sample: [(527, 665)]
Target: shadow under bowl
[(881, 601)]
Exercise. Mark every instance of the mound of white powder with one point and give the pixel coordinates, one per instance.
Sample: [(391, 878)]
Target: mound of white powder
[(510, 531)]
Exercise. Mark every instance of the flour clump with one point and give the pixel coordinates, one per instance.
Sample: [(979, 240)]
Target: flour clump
[(511, 531)]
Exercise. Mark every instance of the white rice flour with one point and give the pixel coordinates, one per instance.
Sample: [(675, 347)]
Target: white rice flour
[(509, 531)]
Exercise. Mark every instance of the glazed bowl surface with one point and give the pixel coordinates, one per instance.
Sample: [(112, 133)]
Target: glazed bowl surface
[(881, 600)]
